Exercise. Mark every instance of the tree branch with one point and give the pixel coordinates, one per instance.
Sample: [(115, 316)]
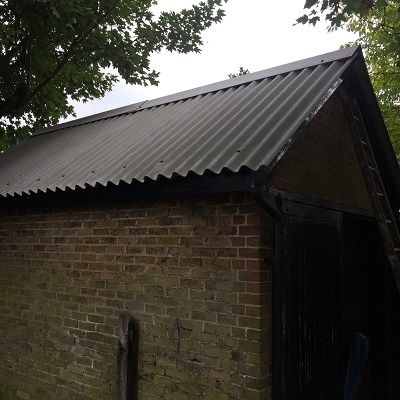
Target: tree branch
[(23, 96)]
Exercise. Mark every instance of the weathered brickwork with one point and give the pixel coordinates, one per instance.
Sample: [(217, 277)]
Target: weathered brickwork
[(68, 273), (200, 263), (322, 162)]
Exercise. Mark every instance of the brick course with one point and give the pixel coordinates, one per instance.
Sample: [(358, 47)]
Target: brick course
[(68, 273)]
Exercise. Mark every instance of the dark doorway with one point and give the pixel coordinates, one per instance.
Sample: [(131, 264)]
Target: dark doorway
[(333, 281), (310, 318), (370, 306), (359, 296)]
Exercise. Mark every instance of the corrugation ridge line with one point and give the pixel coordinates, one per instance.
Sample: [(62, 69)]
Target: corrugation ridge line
[(170, 137), (278, 136), (208, 130), (243, 128), (216, 165), (59, 162), (43, 165), (282, 102), (102, 160), (199, 132), (332, 74), (103, 148), (310, 62), (53, 148), (135, 152), (56, 154), (142, 153), (149, 174), (137, 149), (17, 155), (222, 131), (63, 188), (83, 141), (222, 141), (222, 85), (301, 118), (163, 136), (97, 144), (216, 171)]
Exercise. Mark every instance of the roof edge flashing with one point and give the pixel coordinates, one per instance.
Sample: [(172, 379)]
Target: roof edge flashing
[(307, 120), (92, 118), (325, 58)]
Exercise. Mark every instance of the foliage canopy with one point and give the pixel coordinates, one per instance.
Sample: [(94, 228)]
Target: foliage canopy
[(379, 34), (55, 50), (377, 24), (337, 12)]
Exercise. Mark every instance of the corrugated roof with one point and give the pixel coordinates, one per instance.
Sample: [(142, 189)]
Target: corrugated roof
[(241, 122)]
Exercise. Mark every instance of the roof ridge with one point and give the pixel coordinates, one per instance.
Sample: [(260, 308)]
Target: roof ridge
[(213, 87)]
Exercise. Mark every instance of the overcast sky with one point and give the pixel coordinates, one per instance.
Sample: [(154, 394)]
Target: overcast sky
[(255, 34)]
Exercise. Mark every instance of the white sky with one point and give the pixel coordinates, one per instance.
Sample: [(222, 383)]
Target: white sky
[(255, 34)]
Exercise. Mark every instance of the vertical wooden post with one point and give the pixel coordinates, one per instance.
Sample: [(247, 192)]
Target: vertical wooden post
[(127, 358)]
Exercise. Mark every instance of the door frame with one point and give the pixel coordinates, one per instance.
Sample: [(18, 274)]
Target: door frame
[(293, 204)]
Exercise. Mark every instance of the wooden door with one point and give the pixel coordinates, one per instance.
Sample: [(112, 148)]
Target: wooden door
[(310, 306)]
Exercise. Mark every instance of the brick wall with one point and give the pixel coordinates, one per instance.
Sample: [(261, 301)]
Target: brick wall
[(68, 273), (322, 162)]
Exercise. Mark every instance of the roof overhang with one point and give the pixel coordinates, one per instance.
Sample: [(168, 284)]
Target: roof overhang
[(292, 93)]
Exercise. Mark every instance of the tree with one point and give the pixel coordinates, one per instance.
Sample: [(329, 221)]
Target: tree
[(377, 24), (338, 12), (52, 51), (379, 34), (242, 71)]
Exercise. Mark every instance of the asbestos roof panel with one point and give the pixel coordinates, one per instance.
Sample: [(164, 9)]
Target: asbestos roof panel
[(242, 122)]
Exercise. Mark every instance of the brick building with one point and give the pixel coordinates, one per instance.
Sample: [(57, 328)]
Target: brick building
[(249, 228)]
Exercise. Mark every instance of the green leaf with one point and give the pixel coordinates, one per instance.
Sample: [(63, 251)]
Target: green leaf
[(310, 3), (57, 50), (303, 19), (377, 23)]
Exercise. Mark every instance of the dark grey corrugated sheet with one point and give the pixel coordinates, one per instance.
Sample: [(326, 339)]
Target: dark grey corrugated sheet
[(236, 123)]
